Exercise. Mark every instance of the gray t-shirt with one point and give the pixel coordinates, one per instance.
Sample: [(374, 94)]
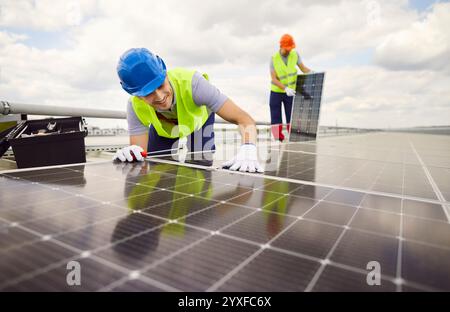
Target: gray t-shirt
[(285, 60), (203, 93)]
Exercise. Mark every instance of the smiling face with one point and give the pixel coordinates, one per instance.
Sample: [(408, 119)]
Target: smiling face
[(161, 98)]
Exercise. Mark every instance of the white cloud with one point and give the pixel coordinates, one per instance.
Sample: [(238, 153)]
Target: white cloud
[(44, 15), (425, 44), (373, 97), (233, 42)]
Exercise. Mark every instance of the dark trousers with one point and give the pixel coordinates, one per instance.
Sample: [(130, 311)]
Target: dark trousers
[(200, 140), (276, 100)]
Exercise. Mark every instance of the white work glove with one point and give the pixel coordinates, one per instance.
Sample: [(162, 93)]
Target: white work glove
[(289, 91), (124, 154), (311, 72), (245, 160)]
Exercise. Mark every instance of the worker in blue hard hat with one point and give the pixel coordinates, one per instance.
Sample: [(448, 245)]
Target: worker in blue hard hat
[(166, 105)]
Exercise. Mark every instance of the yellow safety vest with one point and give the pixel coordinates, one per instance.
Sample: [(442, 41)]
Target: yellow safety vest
[(287, 74), (190, 116)]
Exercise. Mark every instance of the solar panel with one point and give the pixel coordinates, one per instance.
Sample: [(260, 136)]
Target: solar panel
[(320, 214), (306, 107)]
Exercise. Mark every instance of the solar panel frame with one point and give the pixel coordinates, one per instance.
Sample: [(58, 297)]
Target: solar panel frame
[(305, 111)]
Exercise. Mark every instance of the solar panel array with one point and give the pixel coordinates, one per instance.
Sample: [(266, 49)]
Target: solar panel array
[(313, 221), (306, 106)]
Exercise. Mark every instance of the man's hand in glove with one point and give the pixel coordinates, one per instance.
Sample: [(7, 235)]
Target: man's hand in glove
[(126, 154), (245, 160), (289, 91)]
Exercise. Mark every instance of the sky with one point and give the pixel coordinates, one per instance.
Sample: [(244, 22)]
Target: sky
[(386, 62)]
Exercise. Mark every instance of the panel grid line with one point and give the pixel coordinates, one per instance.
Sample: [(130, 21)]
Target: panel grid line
[(239, 267), (65, 261), (319, 272), (412, 200), (241, 205), (399, 280), (165, 259), (297, 181), (432, 183)]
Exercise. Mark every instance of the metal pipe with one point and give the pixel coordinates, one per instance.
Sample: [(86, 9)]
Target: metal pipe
[(52, 110)]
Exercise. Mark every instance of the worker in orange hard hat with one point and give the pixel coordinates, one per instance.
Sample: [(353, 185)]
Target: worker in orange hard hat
[(283, 70)]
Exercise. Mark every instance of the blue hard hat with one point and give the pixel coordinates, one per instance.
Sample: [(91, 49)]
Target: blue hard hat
[(140, 71)]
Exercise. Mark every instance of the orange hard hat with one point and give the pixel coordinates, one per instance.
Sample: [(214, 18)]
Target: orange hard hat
[(287, 42)]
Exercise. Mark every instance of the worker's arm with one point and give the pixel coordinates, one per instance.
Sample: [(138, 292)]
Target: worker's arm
[(275, 80), (247, 157), (140, 140), (234, 114), (303, 68)]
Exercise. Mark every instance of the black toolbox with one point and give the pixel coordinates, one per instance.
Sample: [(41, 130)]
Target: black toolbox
[(46, 142)]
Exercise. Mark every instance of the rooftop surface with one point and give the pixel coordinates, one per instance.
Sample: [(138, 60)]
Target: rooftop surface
[(317, 220)]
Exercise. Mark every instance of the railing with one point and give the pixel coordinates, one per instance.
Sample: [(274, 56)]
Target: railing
[(9, 109), (263, 127), (53, 110)]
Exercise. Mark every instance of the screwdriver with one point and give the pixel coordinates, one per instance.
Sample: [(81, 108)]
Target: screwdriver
[(144, 154)]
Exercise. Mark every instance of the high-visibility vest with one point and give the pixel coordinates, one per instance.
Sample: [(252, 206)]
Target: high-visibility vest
[(190, 116), (286, 73)]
